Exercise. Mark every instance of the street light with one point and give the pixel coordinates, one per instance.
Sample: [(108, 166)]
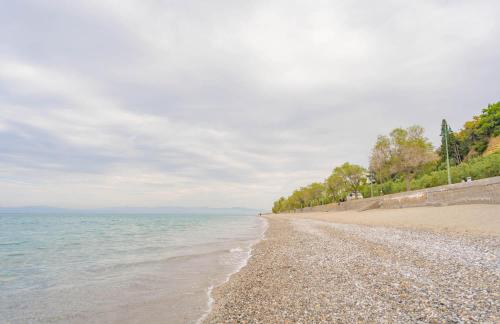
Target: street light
[(444, 132)]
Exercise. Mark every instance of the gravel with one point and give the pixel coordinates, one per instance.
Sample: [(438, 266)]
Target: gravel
[(311, 271)]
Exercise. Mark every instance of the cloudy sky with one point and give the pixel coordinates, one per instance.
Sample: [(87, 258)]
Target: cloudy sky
[(224, 103)]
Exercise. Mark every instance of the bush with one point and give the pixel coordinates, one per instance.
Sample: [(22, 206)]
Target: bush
[(477, 168)]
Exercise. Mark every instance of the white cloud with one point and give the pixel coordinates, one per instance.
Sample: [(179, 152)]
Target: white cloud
[(225, 102)]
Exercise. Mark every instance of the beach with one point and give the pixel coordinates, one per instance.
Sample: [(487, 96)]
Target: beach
[(427, 264)]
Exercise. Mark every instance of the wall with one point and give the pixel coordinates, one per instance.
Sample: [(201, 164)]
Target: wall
[(484, 191)]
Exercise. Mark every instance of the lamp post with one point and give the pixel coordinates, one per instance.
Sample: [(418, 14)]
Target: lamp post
[(445, 131)]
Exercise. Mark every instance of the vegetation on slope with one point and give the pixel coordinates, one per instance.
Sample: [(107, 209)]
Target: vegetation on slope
[(406, 160)]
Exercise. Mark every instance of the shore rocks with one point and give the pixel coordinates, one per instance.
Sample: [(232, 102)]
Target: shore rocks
[(311, 271)]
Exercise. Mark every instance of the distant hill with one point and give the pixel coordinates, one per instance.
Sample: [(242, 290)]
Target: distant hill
[(32, 209)]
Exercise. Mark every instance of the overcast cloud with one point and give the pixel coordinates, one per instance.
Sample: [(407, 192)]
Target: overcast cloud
[(224, 103)]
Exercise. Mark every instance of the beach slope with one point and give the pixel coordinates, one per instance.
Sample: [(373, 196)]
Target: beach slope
[(418, 264)]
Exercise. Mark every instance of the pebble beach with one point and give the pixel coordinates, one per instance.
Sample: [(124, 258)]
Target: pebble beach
[(432, 264)]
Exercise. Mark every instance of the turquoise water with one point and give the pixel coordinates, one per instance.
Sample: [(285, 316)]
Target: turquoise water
[(117, 267)]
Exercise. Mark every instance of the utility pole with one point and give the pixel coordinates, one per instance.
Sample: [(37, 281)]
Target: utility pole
[(445, 130)]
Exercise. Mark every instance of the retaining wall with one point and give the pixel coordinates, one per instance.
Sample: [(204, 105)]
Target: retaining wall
[(484, 191)]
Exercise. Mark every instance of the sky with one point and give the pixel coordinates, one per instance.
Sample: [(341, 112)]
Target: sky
[(224, 103)]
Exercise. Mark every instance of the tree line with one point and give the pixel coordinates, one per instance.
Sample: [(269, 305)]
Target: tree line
[(405, 159)]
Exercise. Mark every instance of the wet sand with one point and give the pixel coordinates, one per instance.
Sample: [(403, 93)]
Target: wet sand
[(435, 264)]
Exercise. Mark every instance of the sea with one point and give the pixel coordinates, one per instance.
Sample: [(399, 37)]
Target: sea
[(118, 267)]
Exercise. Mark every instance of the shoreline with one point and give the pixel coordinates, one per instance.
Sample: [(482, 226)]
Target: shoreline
[(163, 273), (401, 265), (244, 262)]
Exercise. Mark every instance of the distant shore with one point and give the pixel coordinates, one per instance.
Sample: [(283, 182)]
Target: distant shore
[(404, 265)]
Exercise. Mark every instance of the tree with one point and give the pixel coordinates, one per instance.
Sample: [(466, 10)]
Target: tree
[(280, 205), (380, 158), (489, 121), (335, 187), (352, 176), (296, 200), (475, 134), (487, 125), (455, 154), (404, 154), (410, 152), (314, 192)]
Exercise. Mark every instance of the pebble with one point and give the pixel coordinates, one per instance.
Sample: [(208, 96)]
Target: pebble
[(310, 271)]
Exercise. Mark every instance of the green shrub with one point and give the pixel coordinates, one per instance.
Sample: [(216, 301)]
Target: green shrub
[(477, 168)]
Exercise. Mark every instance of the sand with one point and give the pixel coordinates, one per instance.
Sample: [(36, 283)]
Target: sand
[(474, 219), (436, 264)]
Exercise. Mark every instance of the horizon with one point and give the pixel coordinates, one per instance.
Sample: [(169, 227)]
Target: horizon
[(44, 210), (123, 207), (142, 104)]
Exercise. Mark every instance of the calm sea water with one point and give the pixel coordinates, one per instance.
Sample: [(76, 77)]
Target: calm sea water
[(117, 268)]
